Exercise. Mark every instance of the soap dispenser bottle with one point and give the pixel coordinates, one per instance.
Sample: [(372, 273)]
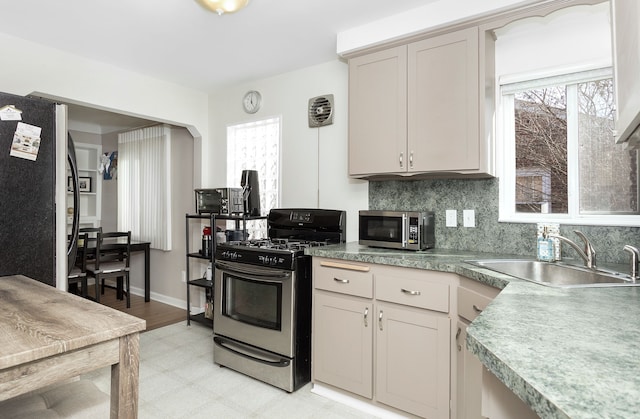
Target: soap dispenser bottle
[(545, 246)]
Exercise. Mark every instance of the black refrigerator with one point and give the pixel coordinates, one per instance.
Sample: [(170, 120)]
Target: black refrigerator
[(36, 157)]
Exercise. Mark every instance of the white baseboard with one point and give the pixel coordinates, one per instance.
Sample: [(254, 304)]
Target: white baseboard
[(370, 409), (175, 302)]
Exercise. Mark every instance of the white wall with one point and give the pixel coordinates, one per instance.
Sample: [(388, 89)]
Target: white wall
[(29, 68), (314, 160)]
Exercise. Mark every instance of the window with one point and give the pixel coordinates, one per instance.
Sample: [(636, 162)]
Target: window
[(561, 162), (144, 190), (256, 146)]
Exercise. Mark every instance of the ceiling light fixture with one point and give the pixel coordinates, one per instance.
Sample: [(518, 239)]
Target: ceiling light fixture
[(223, 6)]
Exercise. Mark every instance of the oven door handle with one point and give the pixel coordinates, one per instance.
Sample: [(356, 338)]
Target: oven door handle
[(252, 355), (242, 269)]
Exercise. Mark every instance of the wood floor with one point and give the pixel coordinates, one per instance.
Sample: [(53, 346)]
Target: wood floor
[(155, 313)]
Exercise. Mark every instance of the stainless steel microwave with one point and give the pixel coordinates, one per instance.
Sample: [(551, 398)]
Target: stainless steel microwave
[(410, 230)]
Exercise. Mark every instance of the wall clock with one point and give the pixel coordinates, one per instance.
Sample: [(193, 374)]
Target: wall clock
[(252, 101)]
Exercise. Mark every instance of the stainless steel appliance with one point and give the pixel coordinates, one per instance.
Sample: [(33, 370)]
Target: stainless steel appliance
[(262, 310), (33, 178), (222, 201), (408, 230)]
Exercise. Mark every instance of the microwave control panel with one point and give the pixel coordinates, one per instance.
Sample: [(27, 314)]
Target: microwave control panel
[(413, 230)]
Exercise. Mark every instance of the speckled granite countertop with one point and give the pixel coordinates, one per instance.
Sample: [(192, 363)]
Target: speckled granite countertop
[(568, 353)]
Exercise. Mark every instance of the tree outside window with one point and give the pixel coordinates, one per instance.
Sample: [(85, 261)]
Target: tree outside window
[(563, 136)]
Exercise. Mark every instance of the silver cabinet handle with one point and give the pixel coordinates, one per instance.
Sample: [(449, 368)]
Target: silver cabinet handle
[(406, 291), (366, 315), (477, 309), (380, 320), (342, 281), (411, 159), (457, 336), (401, 159)]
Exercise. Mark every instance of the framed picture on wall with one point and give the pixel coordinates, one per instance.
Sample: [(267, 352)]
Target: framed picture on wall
[(84, 184)]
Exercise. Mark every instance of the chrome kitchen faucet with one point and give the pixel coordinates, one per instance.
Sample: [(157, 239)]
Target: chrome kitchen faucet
[(588, 255)]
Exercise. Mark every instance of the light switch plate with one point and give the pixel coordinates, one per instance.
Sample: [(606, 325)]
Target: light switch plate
[(452, 218), (469, 218)]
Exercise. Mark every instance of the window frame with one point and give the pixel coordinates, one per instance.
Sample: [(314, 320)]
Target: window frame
[(506, 149)]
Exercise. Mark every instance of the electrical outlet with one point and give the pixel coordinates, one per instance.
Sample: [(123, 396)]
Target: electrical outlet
[(469, 218), (184, 277), (452, 218)]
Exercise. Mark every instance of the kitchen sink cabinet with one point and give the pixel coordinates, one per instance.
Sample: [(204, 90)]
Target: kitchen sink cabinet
[(473, 297), (498, 402), (626, 61), (419, 108), (384, 334)]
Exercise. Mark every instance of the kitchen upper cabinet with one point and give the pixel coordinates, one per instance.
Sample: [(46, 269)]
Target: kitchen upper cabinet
[(378, 112), (443, 103), (626, 62), (420, 108)]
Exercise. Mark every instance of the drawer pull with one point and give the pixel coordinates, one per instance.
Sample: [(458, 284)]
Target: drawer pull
[(342, 281), (458, 333), (477, 309), (366, 315), (380, 320), (406, 291), (345, 266)]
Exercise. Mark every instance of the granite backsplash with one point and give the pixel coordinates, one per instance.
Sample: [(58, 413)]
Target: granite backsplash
[(489, 235)]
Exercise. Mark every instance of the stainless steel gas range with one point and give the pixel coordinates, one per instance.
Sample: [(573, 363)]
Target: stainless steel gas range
[(262, 314)]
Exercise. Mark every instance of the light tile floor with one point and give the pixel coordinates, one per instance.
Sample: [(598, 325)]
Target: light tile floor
[(178, 379)]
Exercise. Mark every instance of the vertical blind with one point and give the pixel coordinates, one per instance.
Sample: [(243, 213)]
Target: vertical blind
[(144, 188)]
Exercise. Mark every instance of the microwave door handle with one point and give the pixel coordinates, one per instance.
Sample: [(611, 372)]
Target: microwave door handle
[(404, 230)]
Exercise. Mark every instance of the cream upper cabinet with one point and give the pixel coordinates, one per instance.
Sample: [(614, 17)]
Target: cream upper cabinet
[(378, 112), (420, 108), (443, 103), (626, 61)]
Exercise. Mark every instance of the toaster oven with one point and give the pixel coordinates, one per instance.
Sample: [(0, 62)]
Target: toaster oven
[(222, 201)]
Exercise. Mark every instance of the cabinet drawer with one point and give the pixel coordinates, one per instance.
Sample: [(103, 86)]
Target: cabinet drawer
[(470, 303), (420, 293), (345, 278)]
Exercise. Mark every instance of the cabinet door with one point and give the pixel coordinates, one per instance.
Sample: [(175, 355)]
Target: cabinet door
[(413, 360), (469, 378), (443, 109), (343, 342), (378, 112), (626, 57)]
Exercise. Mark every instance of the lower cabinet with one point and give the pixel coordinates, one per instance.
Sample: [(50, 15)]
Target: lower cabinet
[(473, 297), (391, 346), (412, 362), (342, 342), (498, 402)]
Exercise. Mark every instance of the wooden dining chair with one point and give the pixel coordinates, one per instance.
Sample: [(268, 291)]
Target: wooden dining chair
[(113, 252), (78, 274)]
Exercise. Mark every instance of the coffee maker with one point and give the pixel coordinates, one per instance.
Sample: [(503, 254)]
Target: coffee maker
[(250, 192)]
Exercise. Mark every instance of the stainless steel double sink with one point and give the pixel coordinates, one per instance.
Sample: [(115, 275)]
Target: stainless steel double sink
[(556, 274)]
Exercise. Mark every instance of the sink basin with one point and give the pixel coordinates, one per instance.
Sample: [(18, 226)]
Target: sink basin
[(555, 274)]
